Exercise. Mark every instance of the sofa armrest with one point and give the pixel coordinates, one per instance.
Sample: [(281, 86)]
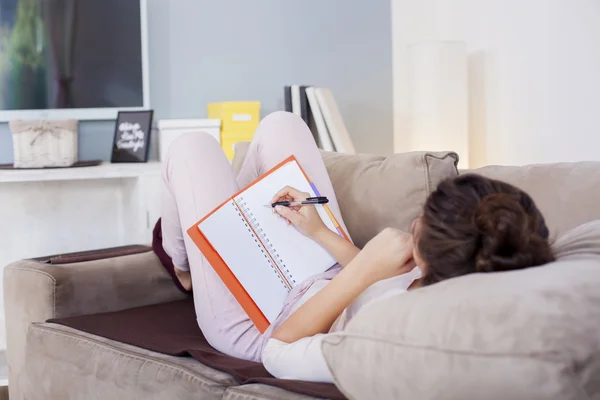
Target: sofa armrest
[(35, 292)]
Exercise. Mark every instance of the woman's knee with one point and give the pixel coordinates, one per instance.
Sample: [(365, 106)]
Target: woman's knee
[(193, 143), (192, 149), (282, 126)]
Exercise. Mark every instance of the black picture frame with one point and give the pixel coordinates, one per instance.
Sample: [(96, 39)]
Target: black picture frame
[(131, 142)]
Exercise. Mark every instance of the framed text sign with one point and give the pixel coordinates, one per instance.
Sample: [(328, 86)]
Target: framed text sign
[(132, 136)]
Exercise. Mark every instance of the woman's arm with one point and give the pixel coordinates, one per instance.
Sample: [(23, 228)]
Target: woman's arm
[(320, 311), (341, 249), (388, 254)]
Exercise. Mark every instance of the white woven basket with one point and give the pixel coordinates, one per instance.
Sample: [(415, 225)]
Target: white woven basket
[(39, 144)]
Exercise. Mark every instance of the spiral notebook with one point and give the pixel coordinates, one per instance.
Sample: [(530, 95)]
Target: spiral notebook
[(257, 255)]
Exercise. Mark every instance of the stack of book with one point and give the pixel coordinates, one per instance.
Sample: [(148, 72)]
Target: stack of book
[(319, 110)]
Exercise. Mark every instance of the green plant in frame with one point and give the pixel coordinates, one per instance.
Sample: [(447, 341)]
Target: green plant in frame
[(23, 81), (4, 59), (27, 37)]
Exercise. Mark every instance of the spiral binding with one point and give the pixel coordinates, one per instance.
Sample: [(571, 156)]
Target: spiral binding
[(266, 247)]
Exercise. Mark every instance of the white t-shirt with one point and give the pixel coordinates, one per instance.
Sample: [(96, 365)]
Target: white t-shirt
[(303, 359)]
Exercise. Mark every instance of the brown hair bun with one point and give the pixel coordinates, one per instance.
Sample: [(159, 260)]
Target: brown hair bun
[(505, 232)]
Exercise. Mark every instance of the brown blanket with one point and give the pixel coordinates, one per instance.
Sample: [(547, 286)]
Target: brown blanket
[(171, 328)]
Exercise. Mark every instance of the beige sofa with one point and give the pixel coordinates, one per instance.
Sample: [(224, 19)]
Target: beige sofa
[(519, 335)]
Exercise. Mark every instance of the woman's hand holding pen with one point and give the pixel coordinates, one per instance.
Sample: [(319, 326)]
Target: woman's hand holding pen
[(305, 218), (308, 221)]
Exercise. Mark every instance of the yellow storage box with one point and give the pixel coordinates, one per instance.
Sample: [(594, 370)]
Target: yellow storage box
[(236, 116), (239, 120)]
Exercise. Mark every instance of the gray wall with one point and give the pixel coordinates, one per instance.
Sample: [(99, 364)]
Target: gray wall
[(202, 51)]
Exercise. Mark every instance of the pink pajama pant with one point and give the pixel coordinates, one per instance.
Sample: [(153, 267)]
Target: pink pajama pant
[(197, 178)]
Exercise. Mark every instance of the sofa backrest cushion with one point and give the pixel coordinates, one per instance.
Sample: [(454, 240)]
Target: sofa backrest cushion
[(376, 192), (567, 194), (528, 334)]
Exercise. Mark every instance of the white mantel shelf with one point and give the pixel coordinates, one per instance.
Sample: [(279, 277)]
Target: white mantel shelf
[(103, 171)]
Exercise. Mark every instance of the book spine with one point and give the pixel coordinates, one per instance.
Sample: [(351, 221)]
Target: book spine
[(304, 104), (269, 251), (322, 134), (295, 93), (287, 98)]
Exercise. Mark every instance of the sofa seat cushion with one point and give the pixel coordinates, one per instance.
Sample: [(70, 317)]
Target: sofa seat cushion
[(171, 329), (65, 363), (521, 335), (257, 391)]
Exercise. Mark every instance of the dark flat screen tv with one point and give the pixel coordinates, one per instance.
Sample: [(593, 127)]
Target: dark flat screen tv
[(82, 59)]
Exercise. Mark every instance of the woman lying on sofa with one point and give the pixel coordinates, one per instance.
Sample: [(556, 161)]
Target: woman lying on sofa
[(469, 224)]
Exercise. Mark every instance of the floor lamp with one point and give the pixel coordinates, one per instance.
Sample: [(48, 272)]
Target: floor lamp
[(438, 98)]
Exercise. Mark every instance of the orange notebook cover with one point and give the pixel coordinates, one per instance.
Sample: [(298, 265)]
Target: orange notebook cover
[(256, 254)]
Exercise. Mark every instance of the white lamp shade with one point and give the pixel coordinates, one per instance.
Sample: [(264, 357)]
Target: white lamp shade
[(438, 98)]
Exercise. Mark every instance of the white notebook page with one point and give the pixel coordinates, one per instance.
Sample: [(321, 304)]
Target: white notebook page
[(229, 236), (301, 256)]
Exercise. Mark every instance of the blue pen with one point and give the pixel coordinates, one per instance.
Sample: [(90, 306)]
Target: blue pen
[(308, 201)]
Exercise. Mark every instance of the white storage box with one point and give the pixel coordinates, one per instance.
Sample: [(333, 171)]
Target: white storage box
[(170, 129), (39, 144)]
